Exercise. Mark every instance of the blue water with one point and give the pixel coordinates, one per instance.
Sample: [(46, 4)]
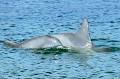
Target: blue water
[(23, 19)]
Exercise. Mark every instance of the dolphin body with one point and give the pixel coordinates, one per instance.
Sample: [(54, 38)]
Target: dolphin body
[(80, 39)]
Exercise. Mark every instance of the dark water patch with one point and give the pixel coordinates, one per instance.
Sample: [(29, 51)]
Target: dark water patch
[(110, 1), (64, 76), (112, 22), (105, 22), (12, 25), (5, 29), (100, 76), (39, 78), (42, 58), (110, 72), (35, 74), (113, 41), (71, 28), (116, 28), (99, 39), (50, 50), (112, 49), (60, 16), (52, 1), (20, 18), (101, 45), (111, 25), (22, 71), (26, 78), (62, 25), (107, 49), (51, 31), (48, 72)]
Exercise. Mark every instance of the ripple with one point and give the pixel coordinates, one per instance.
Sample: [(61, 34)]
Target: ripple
[(12, 25), (99, 39), (34, 74), (20, 18), (48, 72), (113, 41), (111, 72), (64, 76)]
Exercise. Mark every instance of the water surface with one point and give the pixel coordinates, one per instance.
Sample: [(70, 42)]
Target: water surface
[(23, 19)]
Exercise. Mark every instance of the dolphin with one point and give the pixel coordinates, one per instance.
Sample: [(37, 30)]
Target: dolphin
[(79, 39)]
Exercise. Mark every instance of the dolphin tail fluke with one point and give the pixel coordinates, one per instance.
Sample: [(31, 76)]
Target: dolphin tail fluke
[(9, 43)]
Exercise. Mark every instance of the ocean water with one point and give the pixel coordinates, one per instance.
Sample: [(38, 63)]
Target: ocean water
[(23, 19)]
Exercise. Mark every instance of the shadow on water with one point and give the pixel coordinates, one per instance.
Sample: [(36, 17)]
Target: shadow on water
[(59, 51), (81, 56), (50, 50), (106, 49), (97, 48)]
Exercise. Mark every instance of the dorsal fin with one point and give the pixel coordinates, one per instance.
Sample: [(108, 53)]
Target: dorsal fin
[(84, 31)]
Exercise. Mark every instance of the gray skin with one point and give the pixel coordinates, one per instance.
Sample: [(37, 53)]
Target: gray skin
[(36, 42), (41, 42), (80, 39)]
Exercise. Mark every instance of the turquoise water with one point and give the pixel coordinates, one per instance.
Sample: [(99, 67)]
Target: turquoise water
[(23, 19)]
